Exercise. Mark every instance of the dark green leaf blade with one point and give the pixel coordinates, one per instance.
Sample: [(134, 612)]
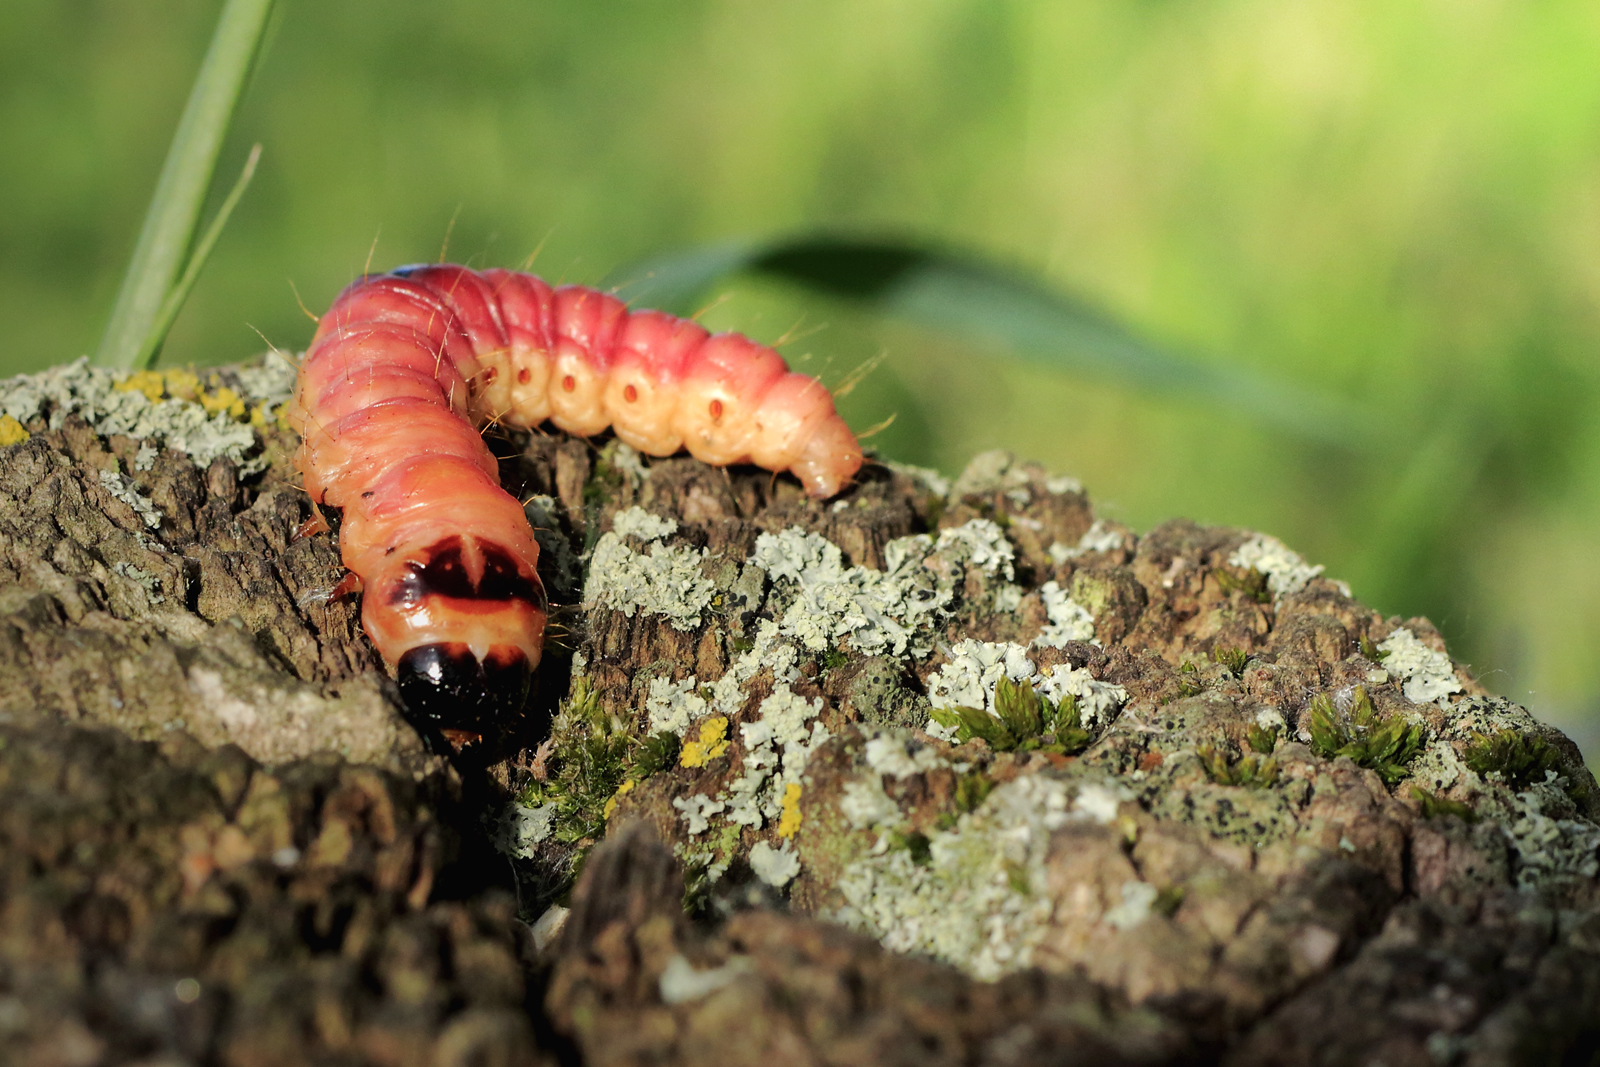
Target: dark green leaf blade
[(951, 291)]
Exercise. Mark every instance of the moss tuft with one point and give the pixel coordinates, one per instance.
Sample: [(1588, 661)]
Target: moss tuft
[(1262, 739), (589, 764), (1252, 770), (1023, 721), (1232, 658), (1433, 805), (1252, 585), (1382, 745), (1520, 759)]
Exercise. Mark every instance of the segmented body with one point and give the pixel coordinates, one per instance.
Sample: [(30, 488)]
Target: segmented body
[(405, 369)]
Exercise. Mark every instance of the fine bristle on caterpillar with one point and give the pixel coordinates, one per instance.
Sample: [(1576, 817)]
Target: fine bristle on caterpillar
[(405, 369)]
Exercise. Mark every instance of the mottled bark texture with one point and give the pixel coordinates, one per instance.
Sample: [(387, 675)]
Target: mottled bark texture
[(220, 843)]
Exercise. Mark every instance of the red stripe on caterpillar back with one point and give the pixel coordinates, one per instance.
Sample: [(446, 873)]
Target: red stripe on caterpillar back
[(405, 368)]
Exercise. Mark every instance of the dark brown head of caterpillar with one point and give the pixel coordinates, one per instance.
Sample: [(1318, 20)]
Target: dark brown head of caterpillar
[(452, 696)]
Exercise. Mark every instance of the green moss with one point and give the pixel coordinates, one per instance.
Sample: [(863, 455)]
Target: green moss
[(1252, 585), (1520, 759), (972, 790), (1189, 684), (1232, 658), (1383, 745), (594, 754), (1251, 770), (1168, 901), (1262, 739), (1372, 651), (1023, 721), (915, 842), (1434, 805)]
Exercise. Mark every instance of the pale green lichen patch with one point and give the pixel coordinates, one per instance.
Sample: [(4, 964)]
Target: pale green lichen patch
[(891, 610), (979, 543), (1285, 570), (1547, 842), (523, 828), (97, 396), (775, 866), (777, 746), (1427, 675), (665, 580), (126, 490), (898, 755), (976, 894), (1098, 538), (1069, 620)]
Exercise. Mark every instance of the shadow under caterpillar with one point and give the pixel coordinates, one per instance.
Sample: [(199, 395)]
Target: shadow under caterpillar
[(404, 371)]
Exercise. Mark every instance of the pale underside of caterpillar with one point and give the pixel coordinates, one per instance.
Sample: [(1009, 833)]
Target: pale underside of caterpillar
[(406, 369)]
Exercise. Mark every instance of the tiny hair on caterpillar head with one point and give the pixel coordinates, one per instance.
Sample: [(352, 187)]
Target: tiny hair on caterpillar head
[(403, 372)]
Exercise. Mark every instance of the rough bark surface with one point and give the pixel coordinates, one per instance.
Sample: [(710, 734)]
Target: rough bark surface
[(222, 844)]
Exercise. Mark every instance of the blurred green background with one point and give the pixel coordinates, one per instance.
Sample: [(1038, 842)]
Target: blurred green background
[(1392, 203)]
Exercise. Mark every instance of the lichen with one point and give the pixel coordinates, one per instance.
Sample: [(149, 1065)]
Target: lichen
[(1549, 847), (789, 806), (1285, 570), (775, 866), (697, 811), (1428, 675), (1069, 620), (976, 898), (126, 490), (973, 671), (12, 432), (106, 401), (777, 746), (879, 611), (1098, 702), (665, 580), (1135, 907), (979, 543), (711, 743), (672, 706), (898, 755), (1098, 538), (524, 828)]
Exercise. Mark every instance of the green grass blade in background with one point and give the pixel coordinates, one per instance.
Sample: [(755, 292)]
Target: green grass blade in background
[(954, 292), (191, 272), (673, 282), (167, 236)]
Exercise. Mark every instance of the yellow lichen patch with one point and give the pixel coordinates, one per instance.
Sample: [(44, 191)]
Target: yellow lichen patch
[(712, 742), (183, 385), (151, 383), (223, 400), (789, 823), (616, 798), (11, 431)]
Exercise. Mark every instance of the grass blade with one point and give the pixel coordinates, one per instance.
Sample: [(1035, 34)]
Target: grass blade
[(202, 251), (169, 226)]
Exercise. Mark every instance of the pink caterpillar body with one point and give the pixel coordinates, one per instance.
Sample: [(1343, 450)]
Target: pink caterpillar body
[(404, 370)]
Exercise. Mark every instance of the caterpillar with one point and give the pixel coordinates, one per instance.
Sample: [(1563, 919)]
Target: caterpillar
[(402, 374)]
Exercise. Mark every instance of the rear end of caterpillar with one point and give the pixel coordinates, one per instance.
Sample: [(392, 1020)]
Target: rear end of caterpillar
[(405, 369)]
